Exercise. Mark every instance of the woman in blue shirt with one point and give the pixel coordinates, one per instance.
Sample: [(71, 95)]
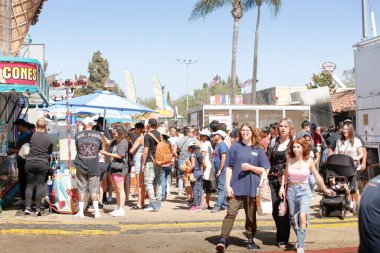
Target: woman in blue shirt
[(246, 161)]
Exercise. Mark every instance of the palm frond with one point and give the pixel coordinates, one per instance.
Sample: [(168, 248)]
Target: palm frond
[(205, 7), (274, 5)]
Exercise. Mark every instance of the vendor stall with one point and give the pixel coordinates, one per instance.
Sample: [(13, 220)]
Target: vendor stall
[(22, 86)]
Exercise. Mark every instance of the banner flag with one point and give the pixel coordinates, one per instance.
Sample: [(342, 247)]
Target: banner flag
[(212, 100), (222, 99), (158, 92), (131, 88), (246, 83)]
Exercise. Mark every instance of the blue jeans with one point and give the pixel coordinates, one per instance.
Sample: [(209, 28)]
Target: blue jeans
[(299, 197), (152, 174), (165, 174), (222, 194)]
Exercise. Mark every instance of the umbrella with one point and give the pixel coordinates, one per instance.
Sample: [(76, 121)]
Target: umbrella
[(107, 101), (103, 100)]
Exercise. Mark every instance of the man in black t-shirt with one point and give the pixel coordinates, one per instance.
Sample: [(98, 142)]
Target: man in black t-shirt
[(152, 172), (88, 143), (369, 217)]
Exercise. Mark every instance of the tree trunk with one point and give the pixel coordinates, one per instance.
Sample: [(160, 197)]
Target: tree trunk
[(233, 64), (237, 13), (255, 56)]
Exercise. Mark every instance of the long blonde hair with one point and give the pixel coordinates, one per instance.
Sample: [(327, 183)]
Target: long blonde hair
[(291, 127)]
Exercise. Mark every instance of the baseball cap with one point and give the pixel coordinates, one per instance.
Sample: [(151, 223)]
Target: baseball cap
[(192, 144), (20, 122), (221, 133), (88, 121), (205, 132)]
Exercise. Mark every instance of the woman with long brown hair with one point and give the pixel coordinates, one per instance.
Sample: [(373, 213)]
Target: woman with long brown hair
[(246, 161), (351, 146), (298, 168), (277, 154)]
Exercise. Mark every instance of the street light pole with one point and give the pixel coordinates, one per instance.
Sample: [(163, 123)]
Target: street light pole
[(187, 62)]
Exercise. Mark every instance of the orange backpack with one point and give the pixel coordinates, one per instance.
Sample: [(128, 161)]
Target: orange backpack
[(163, 153)]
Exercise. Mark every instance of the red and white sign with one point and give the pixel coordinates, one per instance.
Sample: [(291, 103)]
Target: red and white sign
[(18, 73)]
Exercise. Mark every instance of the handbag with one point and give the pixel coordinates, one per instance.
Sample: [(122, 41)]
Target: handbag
[(24, 150), (264, 196), (118, 168), (283, 206)]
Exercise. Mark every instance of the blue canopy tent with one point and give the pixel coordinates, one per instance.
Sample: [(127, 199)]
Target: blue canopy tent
[(106, 101)]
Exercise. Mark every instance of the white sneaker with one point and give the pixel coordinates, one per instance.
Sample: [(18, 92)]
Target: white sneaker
[(119, 213), (114, 211), (79, 215), (97, 215), (300, 250)]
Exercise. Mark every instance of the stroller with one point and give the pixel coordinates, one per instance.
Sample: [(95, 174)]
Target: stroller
[(341, 173)]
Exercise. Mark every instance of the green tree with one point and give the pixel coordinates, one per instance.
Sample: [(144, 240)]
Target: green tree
[(99, 73), (249, 4), (204, 7), (98, 69), (322, 80)]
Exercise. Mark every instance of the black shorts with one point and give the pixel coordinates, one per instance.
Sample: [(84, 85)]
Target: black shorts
[(207, 185)]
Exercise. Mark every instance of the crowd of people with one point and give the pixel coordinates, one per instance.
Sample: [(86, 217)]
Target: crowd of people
[(202, 160)]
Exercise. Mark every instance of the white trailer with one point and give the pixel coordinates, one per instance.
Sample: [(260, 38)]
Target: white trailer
[(367, 74)]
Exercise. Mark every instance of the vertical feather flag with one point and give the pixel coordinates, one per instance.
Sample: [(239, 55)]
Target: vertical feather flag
[(158, 92), (131, 88)]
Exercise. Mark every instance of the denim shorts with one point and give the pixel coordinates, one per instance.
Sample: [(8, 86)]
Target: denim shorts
[(179, 163)]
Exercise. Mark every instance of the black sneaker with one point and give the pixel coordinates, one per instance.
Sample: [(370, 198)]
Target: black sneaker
[(222, 245), (252, 246)]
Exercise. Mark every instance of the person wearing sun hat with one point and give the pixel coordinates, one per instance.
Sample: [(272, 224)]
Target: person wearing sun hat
[(166, 168)]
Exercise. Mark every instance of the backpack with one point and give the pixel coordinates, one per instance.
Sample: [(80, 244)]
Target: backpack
[(163, 153)]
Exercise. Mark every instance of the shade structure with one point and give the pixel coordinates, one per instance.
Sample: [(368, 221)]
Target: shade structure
[(107, 101)]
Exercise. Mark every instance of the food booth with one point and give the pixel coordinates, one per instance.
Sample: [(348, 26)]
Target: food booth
[(23, 86)]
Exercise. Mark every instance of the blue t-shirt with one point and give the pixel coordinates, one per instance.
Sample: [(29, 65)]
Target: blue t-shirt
[(245, 183), (198, 171), (221, 148)]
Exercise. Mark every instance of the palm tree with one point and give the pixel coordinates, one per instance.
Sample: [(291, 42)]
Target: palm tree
[(205, 7), (249, 4)]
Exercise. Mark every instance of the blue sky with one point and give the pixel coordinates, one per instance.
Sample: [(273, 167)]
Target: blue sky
[(146, 37)]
